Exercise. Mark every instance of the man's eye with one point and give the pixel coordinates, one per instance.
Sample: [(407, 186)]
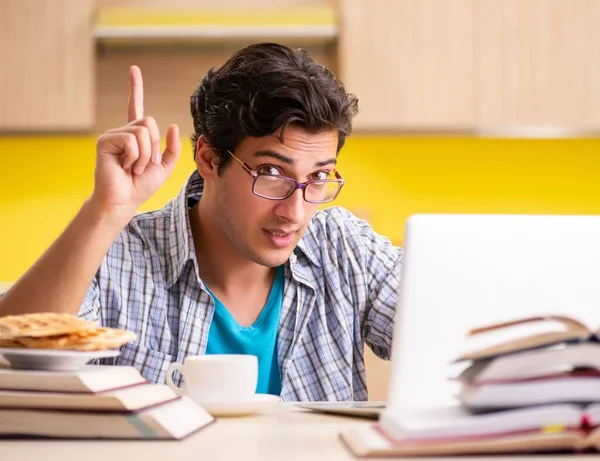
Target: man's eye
[(269, 169), (319, 175)]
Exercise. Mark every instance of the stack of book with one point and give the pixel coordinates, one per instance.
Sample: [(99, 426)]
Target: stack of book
[(528, 385), (105, 402), (46, 390), (533, 361)]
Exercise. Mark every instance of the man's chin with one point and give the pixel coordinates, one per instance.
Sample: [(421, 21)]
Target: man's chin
[(273, 258)]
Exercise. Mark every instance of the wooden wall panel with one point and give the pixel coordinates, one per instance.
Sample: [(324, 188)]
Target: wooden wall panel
[(537, 63), (463, 65), (47, 61), (410, 62)]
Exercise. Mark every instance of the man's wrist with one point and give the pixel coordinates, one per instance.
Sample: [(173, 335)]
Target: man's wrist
[(115, 217)]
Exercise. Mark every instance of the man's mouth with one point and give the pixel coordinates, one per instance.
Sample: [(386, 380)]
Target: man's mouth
[(278, 233), (280, 238)]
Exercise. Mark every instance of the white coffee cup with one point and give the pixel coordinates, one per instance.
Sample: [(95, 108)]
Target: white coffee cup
[(217, 378)]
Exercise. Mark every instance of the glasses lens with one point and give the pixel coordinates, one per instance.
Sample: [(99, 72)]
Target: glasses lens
[(273, 186), (277, 187), (322, 191)]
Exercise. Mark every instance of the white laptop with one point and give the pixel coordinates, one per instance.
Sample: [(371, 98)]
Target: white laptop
[(462, 271)]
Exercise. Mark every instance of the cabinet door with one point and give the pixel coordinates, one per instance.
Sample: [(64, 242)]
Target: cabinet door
[(473, 64), (538, 63), (410, 62), (46, 57)]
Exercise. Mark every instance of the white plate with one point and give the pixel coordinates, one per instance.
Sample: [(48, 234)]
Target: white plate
[(258, 403), (51, 360)]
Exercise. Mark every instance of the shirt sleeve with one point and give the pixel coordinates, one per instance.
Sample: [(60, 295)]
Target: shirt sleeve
[(382, 267), (371, 267), (378, 325)]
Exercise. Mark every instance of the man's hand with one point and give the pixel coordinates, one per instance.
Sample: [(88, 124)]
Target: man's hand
[(130, 166)]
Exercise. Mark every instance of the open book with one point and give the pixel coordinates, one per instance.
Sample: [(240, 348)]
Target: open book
[(524, 334), (540, 376), (548, 361), (530, 361), (559, 373), (573, 387), (454, 431)]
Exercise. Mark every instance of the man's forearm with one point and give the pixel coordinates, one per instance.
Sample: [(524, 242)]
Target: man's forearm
[(59, 280)]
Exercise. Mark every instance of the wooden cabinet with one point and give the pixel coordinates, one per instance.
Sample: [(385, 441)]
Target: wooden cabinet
[(409, 62), (538, 63), (416, 65), (470, 65), (47, 65)]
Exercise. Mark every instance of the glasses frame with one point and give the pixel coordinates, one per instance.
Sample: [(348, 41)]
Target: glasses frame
[(298, 185)]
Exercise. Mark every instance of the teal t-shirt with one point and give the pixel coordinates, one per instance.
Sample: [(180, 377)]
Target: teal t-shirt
[(227, 336)]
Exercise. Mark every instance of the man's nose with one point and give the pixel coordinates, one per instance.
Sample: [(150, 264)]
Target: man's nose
[(292, 209)]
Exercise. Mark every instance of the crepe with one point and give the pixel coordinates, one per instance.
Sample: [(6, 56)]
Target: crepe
[(10, 343), (48, 330), (89, 340), (41, 324)]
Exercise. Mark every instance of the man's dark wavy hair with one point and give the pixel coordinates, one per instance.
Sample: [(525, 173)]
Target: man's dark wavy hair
[(265, 87)]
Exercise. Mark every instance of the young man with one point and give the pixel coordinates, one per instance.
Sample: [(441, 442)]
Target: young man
[(241, 261)]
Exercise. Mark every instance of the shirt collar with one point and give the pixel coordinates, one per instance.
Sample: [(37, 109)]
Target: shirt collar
[(181, 241), (306, 248)]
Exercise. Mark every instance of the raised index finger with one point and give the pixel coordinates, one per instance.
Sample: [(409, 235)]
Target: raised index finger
[(135, 109)]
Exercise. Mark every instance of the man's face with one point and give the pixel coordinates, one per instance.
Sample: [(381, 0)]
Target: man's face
[(266, 231)]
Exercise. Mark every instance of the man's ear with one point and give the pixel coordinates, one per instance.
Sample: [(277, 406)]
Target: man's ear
[(207, 162)]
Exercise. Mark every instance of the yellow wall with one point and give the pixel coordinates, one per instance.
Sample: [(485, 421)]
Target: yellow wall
[(43, 181)]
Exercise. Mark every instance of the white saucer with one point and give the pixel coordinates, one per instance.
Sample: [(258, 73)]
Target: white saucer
[(51, 360), (258, 403)]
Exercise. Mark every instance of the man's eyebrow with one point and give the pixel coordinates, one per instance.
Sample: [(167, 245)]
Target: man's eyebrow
[(288, 160), (275, 155), (331, 161)]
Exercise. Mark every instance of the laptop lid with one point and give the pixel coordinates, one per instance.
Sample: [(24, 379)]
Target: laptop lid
[(462, 271)]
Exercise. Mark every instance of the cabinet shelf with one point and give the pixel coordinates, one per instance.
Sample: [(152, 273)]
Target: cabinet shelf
[(127, 25)]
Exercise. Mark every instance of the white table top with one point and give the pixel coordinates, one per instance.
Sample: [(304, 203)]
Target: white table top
[(284, 434)]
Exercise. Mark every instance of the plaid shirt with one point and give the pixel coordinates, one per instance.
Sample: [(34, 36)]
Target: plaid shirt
[(340, 291)]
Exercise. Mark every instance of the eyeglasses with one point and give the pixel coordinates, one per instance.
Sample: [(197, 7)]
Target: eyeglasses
[(277, 187)]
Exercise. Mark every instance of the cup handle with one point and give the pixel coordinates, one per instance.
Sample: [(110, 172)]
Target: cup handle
[(175, 367)]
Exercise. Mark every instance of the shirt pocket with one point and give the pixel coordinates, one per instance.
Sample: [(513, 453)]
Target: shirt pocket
[(150, 363)]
